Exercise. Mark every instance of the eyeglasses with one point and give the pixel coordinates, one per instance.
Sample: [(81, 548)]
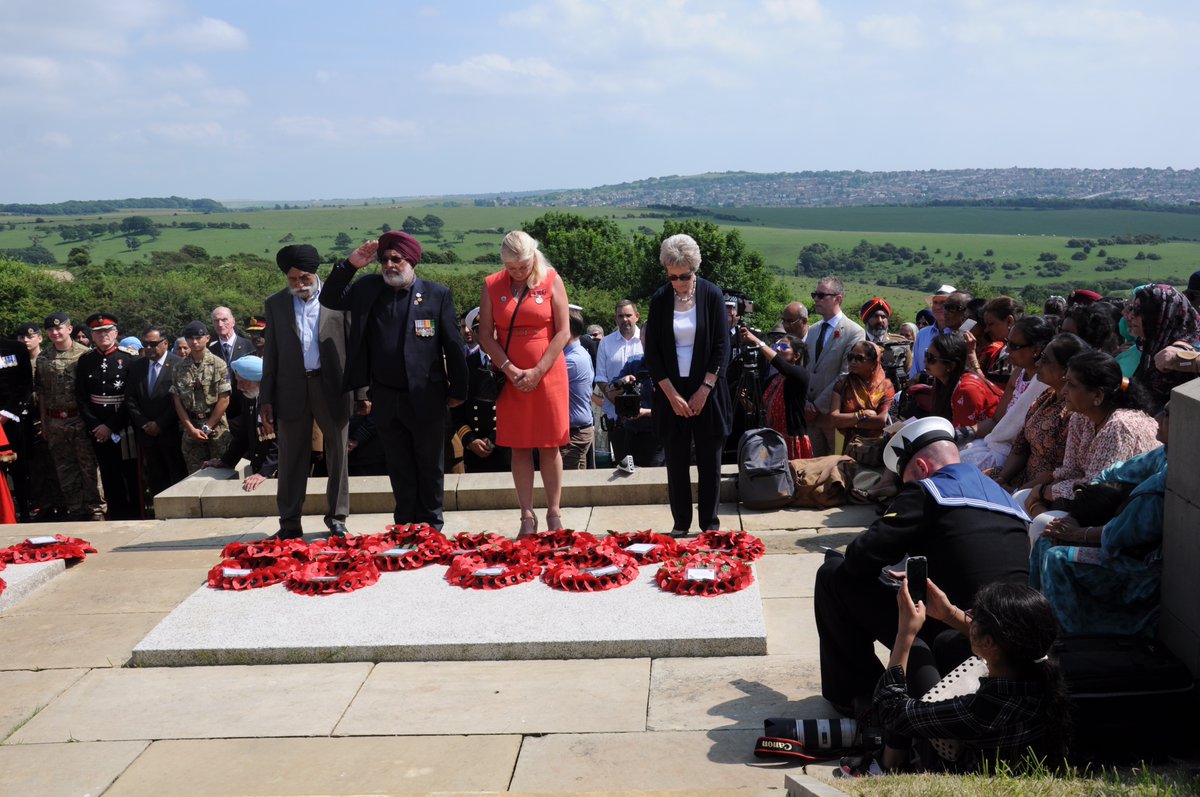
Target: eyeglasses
[(1016, 346), (796, 320), (680, 277), (862, 358), (153, 342), (397, 259), (822, 294), (782, 347), (954, 308)]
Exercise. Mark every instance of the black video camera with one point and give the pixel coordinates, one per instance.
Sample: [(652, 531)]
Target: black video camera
[(629, 403)]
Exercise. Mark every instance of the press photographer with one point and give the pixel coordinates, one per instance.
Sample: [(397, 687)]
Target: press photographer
[(631, 395)]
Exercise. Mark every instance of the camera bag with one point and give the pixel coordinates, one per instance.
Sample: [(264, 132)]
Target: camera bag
[(1131, 698)]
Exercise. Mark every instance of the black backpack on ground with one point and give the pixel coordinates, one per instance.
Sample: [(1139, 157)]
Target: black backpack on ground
[(764, 479)]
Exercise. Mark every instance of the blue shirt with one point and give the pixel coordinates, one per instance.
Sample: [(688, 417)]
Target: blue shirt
[(308, 315), (579, 379)]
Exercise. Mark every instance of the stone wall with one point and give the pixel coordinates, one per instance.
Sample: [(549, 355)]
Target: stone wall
[(1180, 624)]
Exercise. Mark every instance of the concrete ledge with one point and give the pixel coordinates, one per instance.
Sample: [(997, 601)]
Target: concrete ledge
[(416, 616), (24, 580), (217, 492), (800, 785)]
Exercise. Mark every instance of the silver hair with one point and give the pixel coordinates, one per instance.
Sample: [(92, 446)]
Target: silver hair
[(680, 250)]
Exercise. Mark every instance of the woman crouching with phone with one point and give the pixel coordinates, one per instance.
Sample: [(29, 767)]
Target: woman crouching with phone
[(1021, 704)]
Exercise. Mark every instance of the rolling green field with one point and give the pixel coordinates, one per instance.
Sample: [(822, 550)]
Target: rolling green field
[(1011, 235)]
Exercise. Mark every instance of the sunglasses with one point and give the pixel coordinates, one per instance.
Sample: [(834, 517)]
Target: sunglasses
[(821, 294), (153, 342), (782, 347), (862, 358), (1016, 346), (954, 308), (680, 277), (933, 359), (397, 259)]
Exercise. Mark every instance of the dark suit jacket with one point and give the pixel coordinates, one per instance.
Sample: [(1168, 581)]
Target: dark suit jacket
[(244, 442), (436, 365), (283, 382), (708, 356), (158, 406), (241, 347), (16, 378)]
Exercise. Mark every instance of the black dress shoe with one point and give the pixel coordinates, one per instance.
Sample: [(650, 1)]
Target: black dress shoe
[(337, 528), (286, 535)]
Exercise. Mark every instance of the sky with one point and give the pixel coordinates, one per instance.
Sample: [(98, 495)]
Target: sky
[(275, 100)]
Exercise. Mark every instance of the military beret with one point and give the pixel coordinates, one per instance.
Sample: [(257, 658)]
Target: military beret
[(27, 329), (195, 328), (55, 320)]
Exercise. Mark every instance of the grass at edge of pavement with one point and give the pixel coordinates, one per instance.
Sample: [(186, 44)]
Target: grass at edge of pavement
[(1152, 782)]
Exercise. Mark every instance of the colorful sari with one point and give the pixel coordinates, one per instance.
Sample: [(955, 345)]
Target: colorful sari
[(798, 446)]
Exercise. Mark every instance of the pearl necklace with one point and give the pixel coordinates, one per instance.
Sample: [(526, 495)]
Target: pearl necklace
[(686, 299)]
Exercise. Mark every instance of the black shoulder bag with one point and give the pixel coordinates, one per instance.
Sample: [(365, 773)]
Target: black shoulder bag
[(491, 379)]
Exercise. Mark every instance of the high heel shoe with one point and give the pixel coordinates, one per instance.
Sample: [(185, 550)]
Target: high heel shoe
[(553, 522), (528, 527)]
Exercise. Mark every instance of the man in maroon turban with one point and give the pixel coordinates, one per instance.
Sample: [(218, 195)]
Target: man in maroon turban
[(405, 346)]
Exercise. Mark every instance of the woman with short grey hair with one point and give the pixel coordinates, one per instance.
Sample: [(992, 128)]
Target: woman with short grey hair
[(686, 342)]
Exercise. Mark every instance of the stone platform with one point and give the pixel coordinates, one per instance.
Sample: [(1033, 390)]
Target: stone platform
[(23, 580), (217, 492), (416, 616)]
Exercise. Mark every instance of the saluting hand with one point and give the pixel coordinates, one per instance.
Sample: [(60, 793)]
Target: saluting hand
[(364, 255)]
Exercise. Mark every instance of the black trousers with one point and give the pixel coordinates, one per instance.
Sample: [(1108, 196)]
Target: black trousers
[(855, 613), (680, 434), (413, 447), (120, 495), (162, 459), (20, 439)]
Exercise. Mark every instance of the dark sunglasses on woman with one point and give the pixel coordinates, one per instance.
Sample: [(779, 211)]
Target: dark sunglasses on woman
[(679, 277)]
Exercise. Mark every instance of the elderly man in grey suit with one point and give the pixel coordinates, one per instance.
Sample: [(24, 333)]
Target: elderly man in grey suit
[(829, 344), (303, 365)]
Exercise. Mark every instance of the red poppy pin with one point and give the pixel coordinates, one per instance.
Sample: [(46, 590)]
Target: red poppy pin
[(837, 333)]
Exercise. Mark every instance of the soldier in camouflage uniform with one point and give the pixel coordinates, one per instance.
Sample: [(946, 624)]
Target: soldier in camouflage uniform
[(201, 391), (46, 496), (70, 446)]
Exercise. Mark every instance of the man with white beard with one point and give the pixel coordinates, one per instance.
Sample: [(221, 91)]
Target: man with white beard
[(404, 344), (303, 373), (250, 437)]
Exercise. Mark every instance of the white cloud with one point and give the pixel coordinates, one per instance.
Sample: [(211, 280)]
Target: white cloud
[(392, 128), (902, 32), (317, 128), (201, 35), (492, 73), (25, 69), (191, 132), (324, 76)]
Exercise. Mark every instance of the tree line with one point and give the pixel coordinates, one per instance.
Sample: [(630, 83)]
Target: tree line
[(77, 207)]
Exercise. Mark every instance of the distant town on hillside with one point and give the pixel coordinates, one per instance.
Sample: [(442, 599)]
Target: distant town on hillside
[(1116, 188)]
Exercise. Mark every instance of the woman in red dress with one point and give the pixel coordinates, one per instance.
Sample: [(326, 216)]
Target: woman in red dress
[(528, 298)]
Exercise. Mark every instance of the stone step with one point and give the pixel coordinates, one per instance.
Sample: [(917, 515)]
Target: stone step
[(217, 492)]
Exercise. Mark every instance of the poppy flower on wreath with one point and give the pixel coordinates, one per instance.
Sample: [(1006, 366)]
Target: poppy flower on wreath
[(252, 572), (704, 574), (330, 575), (645, 546), (550, 545), (736, 543), (493, 567), (594, 569), (46, 549)]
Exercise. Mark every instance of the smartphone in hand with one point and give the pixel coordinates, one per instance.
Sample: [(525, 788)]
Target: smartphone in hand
[(917, 572)]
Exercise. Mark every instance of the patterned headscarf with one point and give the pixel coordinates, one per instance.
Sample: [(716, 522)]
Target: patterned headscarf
[(1167, 316)]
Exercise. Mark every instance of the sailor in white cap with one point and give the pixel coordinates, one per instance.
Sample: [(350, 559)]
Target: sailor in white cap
[(972, 533)]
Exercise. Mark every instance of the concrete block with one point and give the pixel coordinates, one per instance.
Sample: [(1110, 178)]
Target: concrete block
[(1181, 559), (527, 621), (23, 693), (198, 703), (1183, 476), (347, 766), (492, 491), (23, 580), (733, 692), (228, 499), (183, 499), (85, 768), (373, 494), (1182, 640), (486, 697), (195, 534)]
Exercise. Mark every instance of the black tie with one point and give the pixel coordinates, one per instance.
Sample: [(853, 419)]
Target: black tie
[(821, 338)]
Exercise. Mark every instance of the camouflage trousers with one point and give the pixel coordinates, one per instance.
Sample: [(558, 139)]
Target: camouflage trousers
[(196, 451), (75, 463)]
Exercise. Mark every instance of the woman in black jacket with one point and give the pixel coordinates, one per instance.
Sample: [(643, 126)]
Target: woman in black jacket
[(686, 341), (787, 390)]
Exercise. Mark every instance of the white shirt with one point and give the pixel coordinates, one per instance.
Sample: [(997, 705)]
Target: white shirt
[(685, 339), (308, 315), (611, 355)]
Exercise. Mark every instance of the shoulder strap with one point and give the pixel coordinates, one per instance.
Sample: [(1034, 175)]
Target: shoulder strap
[(513, 321)]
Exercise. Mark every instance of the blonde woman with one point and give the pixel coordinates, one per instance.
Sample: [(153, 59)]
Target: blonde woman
[(524, 307)]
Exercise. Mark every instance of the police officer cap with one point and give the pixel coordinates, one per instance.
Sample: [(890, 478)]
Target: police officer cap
[(914, 436), (27, 329), (195, 328), (55, 320), (301, 256), (256, 324), (98, 321), (248, 368)]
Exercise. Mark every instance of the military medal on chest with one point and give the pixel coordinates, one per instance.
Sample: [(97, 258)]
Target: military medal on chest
[(423, 327)]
